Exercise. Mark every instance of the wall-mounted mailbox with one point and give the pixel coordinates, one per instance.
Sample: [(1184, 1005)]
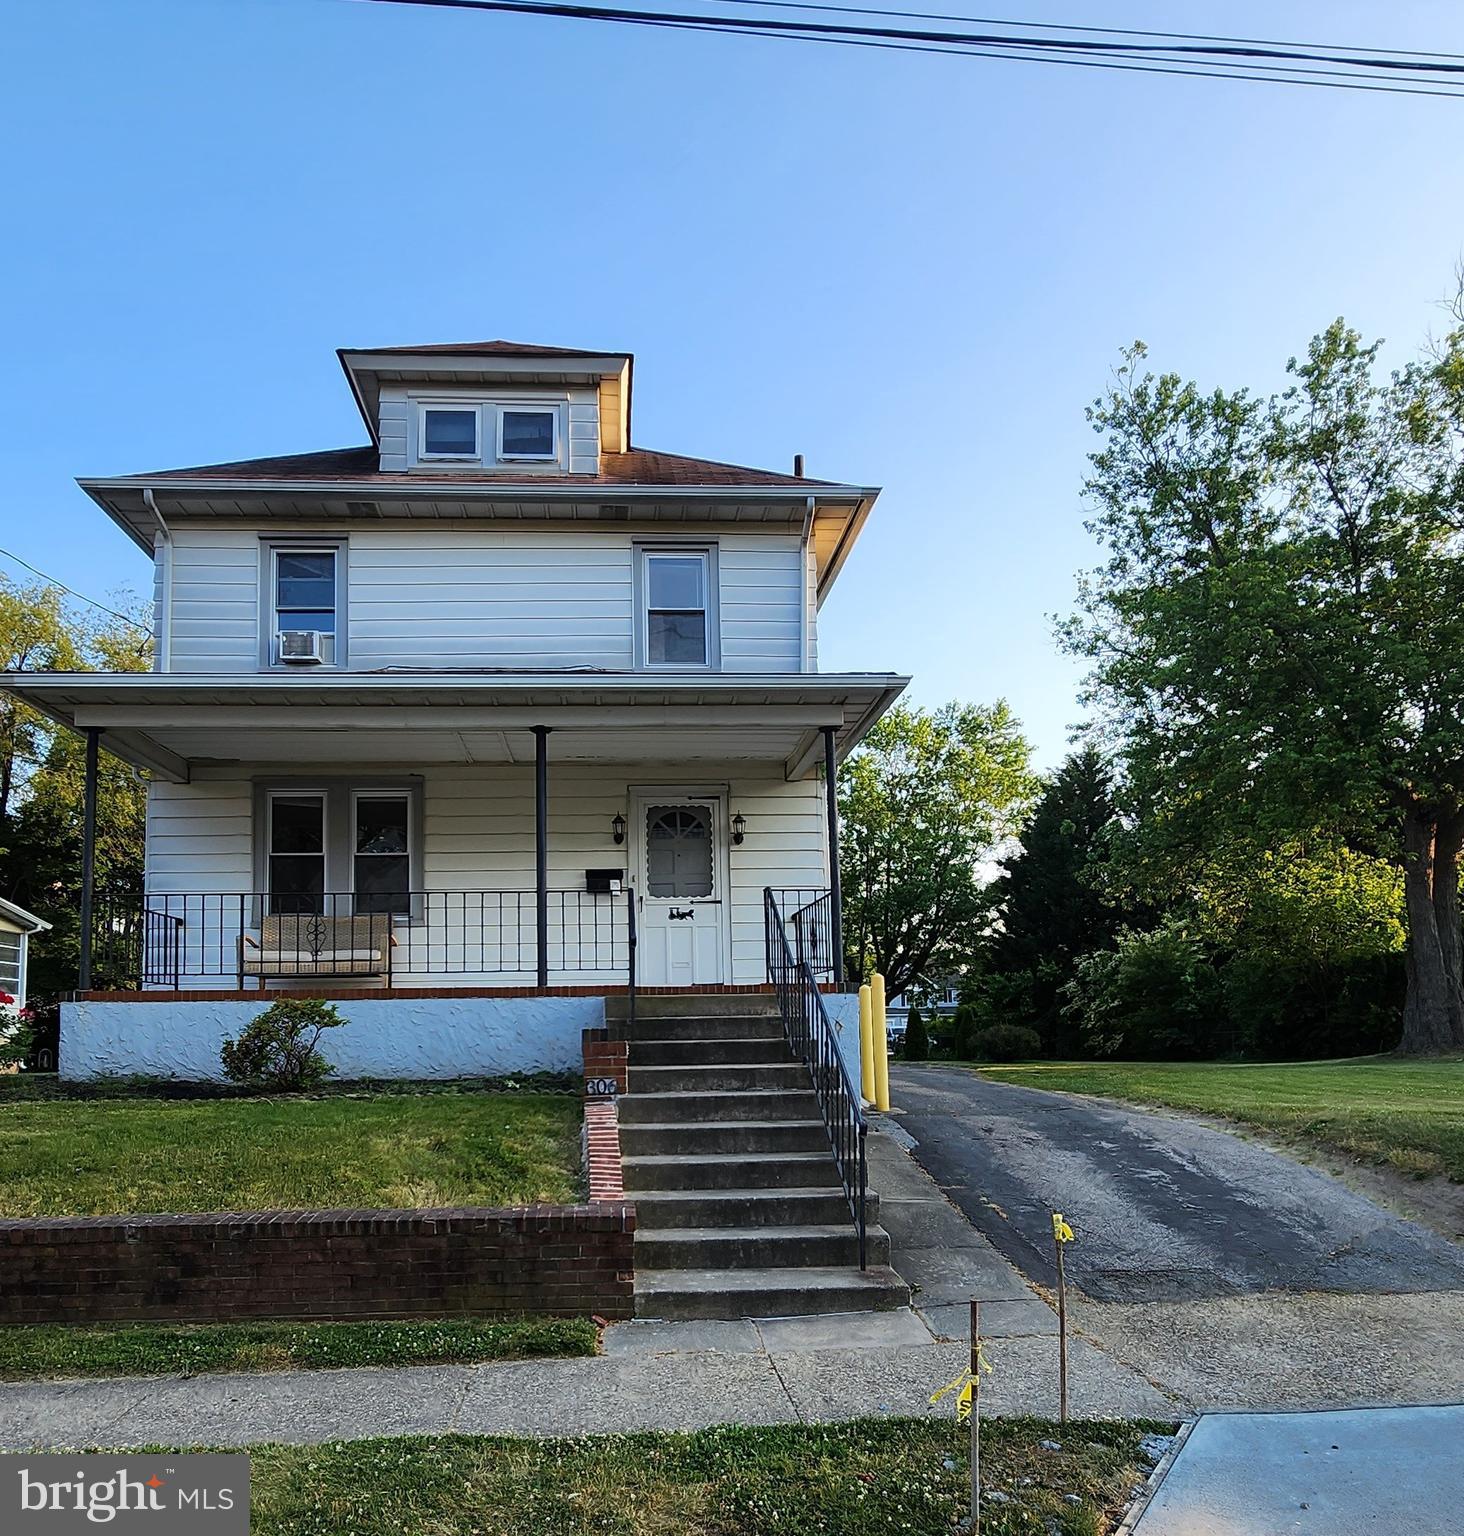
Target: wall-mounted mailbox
[(604, 882)]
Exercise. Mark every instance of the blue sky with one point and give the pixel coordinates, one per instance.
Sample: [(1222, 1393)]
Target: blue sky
[(916, 271)]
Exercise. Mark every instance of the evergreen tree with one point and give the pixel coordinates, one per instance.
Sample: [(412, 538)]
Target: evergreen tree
[(917, 1041), (1052, 904)]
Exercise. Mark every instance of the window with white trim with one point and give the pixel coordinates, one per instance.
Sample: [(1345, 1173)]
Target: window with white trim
[(676, 597), (339, 848), (479, 433), (524, 433), (296, 858), (381, 858), (450, 432), (304, 603)]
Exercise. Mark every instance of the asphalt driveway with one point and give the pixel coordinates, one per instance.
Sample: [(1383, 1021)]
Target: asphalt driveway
[(1165, 1209)]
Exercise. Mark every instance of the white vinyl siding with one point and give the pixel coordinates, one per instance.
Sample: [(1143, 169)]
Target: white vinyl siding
[(215, 608), (761, 591), (490, 598), (487, 597), (478, 835)]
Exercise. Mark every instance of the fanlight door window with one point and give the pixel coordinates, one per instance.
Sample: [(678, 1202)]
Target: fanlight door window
[(678, 851)]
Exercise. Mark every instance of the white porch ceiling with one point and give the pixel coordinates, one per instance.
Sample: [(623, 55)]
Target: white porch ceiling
[(169, 723)]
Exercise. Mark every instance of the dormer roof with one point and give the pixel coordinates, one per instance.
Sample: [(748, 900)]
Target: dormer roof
[(493, 362)]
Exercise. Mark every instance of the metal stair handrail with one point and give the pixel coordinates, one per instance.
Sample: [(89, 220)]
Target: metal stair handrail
[(810, 1035)]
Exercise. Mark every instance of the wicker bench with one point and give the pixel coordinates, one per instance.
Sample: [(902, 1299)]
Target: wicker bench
[(294, 944)]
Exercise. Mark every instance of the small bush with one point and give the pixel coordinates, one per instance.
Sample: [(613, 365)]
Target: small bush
[(277, 1052), (917, 1040), (15, 1032), (1006, 1042), (965, 1026)]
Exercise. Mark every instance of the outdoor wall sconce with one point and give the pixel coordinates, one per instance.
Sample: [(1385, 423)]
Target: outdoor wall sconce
[(617, 828), (739, 829)]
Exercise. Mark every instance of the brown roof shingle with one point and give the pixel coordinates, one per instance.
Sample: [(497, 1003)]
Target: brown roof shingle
[(357, 466), (492, 349)]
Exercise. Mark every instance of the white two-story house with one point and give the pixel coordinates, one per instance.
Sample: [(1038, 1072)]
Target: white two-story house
[(470, 706)]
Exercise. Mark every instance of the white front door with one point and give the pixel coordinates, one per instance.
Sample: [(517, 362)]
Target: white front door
[(680, 879)]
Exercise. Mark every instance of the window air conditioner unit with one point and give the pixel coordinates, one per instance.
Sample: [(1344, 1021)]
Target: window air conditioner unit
[(304, 647)]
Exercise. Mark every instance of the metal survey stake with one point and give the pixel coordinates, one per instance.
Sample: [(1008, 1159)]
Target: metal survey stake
[(975, 1416)]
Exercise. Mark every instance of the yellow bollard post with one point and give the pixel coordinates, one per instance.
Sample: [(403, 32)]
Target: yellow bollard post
[(881, 1042), (866, 1044)]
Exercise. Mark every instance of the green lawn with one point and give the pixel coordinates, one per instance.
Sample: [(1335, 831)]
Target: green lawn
[(872, 1477), (112, 1156), (33, 1354), (1407, 1114)]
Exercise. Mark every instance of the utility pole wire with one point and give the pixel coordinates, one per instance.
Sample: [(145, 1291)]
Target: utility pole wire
[(81, 597), (1266, 74), (1231, 58), (1055, 26)]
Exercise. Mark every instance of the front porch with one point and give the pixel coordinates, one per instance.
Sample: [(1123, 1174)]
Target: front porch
[(386, 832)]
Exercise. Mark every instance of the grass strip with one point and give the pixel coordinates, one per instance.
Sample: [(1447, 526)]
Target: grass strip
[(865, 1478), (39, 1353)]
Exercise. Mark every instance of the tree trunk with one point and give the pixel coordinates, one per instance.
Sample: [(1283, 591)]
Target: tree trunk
[(1434, 1010)]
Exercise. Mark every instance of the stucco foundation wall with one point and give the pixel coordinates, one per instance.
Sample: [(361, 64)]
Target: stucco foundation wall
[(843, 1010), (432, 1037)]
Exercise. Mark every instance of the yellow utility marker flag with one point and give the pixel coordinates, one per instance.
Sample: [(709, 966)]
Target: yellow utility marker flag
[(1060, 1229), (965, 1382)]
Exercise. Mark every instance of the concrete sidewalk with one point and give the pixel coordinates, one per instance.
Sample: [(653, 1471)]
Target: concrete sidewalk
[(1335, 1474), (652, 1376)]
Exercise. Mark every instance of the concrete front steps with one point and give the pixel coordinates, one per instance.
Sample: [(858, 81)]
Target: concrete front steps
[(739, 1208)]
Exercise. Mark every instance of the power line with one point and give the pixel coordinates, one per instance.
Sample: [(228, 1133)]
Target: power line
[(1273, 74), (1056, 26), (1231, 59), (81, 597)]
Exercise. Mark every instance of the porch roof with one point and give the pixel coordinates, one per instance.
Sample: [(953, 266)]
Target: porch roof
[(169, 724)]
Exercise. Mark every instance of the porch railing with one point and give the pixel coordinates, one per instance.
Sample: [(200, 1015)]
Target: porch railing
[(250, 938), (810, 1034), (808, 923)]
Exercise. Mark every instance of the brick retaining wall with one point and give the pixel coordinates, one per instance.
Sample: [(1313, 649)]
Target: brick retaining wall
[(606, 1058), (562, 1260)]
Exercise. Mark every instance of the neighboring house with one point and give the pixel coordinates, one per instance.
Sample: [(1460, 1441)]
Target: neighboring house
[(16, 927), (937, 1000), (456, 708)]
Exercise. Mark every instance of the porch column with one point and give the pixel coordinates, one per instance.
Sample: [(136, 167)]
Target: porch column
[(836, 891), (541, 845), (88, 857)]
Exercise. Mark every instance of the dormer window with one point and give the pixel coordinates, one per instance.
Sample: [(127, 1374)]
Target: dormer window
[(485, 433), (449, 433), (526, 434)]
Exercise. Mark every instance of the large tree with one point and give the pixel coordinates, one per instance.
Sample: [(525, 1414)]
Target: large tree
[(41, 776), (1277, 637), (925, 803), (1053, 904)]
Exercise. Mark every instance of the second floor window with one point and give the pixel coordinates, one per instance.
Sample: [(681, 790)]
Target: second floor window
[(676, 586), (304, 587)]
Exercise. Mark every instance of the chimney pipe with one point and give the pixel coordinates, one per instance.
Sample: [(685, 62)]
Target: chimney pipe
[(798, 465)]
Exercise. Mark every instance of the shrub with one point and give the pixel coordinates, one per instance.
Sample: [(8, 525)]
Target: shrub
[(15, 1034), (1156, 997), (1006, 1042), (277, 1052), (965, 1026), (917, 1040)]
